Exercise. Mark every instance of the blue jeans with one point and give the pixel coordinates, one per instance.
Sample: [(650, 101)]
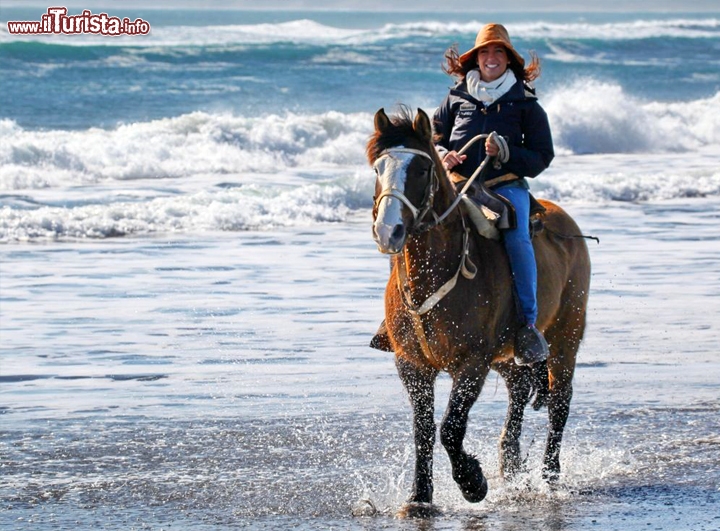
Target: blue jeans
[(520, 251)]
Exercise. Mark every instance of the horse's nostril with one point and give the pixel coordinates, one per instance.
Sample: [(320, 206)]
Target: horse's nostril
[(398, 232)]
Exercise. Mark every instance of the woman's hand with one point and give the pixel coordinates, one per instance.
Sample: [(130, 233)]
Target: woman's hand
[(452, 159), (491, 148)]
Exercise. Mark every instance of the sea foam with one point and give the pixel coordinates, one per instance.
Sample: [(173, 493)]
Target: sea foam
[(187, 145), (590, 116), (587, 117)]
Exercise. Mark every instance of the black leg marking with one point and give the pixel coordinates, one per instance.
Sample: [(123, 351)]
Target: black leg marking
[(420, 385), (466, 469)]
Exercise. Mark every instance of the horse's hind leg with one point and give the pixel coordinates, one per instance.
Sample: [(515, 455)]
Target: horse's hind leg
[(518, 380), (561, 368), (561, 391), (420, 385), (466, 469)]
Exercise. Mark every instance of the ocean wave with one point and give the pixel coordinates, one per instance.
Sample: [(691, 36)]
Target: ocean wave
[(590, 116), (235, 206), (195, 172), (629, 179), (298, 31), (306, 31), (193, 144), (586, 117), (686, 28), (251, 207), (214, 172)]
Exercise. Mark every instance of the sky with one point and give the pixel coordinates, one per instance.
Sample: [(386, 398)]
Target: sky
[(475, 6)]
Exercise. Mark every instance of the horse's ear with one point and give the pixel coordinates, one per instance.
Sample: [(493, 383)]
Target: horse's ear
[(382, 122), (422, 125)]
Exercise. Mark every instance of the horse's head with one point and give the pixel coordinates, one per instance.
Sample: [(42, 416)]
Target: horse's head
[(403, 157)]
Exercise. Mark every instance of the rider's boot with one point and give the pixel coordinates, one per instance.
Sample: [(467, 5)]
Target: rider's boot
[(380, 340), (530, 346)]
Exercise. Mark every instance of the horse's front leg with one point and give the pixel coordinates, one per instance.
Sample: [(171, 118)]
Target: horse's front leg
[(420, 385), (466, 470)]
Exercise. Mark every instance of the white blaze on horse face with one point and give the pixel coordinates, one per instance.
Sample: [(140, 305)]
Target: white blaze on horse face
[(392, 175)]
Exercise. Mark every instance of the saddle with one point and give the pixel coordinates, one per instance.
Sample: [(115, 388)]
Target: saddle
[(490, 212)]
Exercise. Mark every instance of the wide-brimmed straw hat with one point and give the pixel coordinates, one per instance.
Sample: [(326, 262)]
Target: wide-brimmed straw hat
[(492, 34)]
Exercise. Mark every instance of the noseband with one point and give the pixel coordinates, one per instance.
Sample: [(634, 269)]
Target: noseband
[(417, 212)]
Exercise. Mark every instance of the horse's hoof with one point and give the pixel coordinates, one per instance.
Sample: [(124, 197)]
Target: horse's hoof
[(381, 340), (510, 470), (541, 400), (470, 479), (418, 510), (475, 493), (540, 393), (510, 463), (551, 476), (364, 507)]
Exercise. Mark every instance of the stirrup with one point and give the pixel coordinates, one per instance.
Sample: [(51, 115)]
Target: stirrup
[(530, 346)]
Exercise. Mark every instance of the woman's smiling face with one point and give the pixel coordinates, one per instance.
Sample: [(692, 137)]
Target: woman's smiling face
[(493, 61)]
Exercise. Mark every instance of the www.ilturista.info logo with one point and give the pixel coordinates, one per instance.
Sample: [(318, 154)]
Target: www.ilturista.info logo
[(57, 21)]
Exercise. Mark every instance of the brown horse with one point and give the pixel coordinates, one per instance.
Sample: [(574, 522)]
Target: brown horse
[(469, 329)]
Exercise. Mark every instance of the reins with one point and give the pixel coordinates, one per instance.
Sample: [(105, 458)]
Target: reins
[(466, 267), (419, 213), (503, 155), (571, 236)]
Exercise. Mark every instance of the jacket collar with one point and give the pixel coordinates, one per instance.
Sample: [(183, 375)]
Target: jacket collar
[(519, 91)]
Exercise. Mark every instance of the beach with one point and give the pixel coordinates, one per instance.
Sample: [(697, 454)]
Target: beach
[(188, 282)]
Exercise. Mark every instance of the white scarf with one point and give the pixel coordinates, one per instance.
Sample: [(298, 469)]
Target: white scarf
[(488, 92)]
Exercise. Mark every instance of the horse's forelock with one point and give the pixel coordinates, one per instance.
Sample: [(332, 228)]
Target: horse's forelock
[(400, 132)]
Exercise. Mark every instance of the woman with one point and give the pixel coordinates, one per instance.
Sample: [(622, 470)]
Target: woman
[(493, 94)]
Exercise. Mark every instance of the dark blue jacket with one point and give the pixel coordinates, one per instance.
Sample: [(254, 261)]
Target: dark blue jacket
[(517, 116)]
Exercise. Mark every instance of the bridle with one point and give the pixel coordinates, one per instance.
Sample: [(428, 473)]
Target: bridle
[(418, 225), (418, 212)]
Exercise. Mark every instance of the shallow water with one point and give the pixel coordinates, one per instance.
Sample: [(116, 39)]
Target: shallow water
[(224, 381)]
